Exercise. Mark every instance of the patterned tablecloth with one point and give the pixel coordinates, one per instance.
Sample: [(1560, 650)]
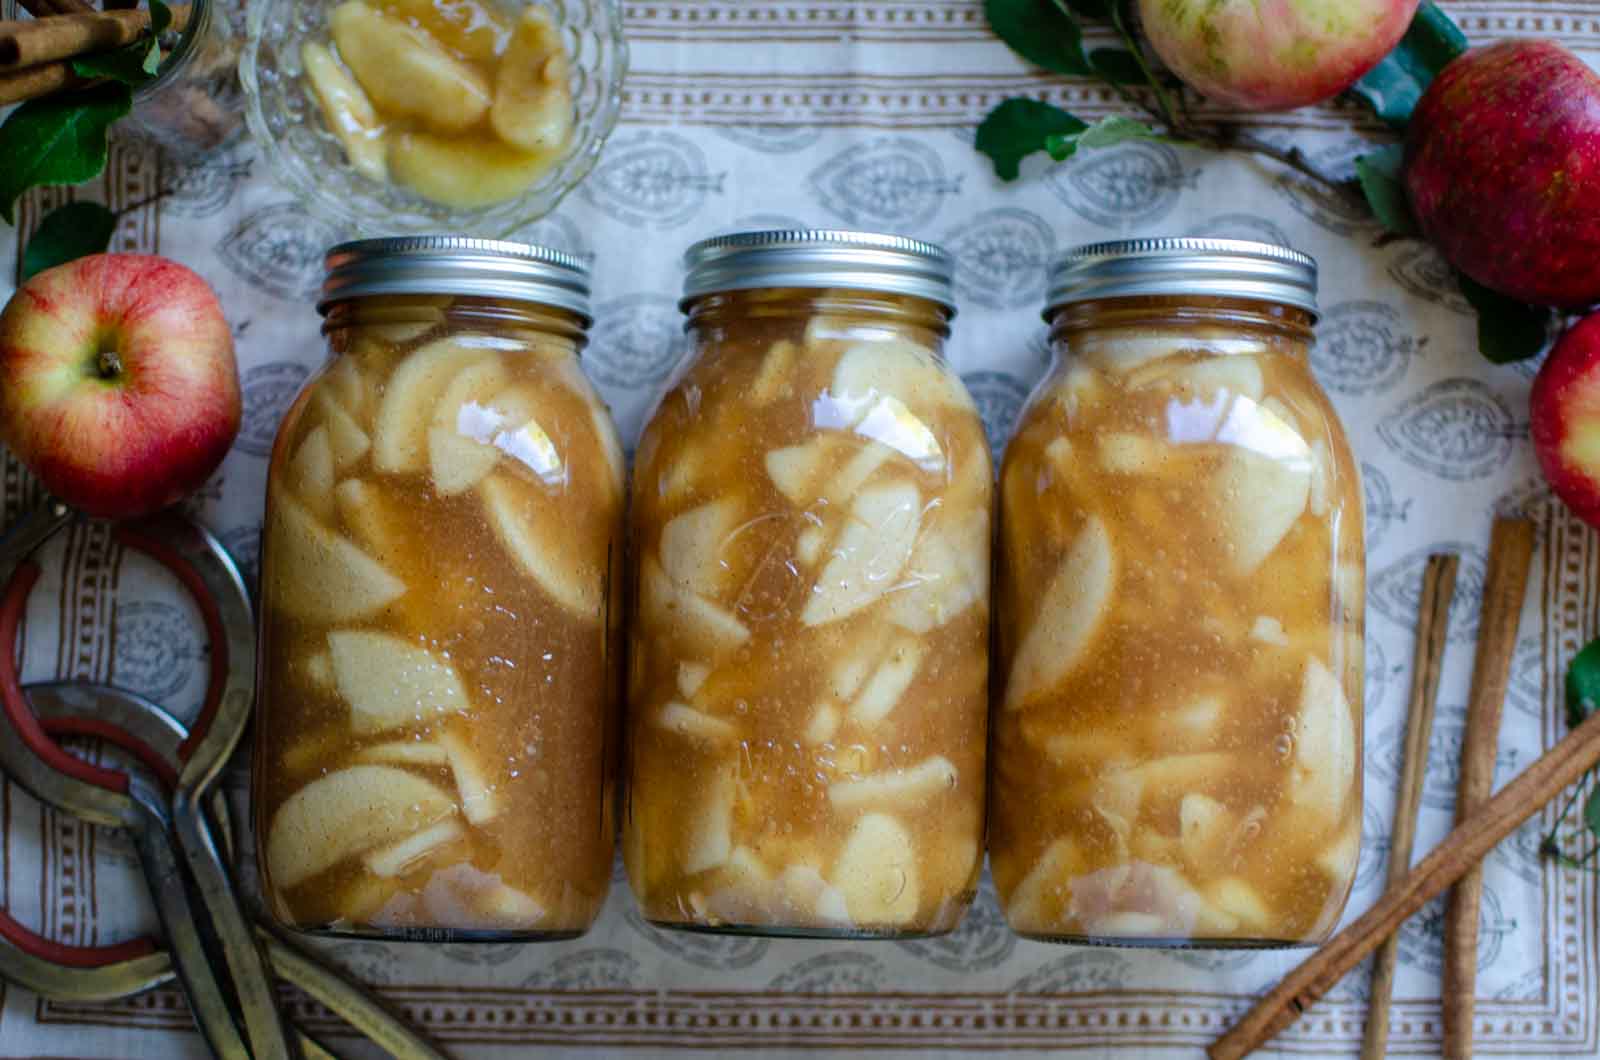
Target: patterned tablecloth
[(760, 113)]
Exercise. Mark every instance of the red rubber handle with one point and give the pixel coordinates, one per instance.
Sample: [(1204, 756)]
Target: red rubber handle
[(196, 586), (34, 944), (16, 706), (148, 756)]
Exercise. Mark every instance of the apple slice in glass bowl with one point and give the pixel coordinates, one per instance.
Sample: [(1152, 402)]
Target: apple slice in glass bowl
[(347, 129)]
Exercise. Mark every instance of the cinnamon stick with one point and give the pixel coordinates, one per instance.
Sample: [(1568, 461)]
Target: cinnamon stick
[(38, 81), (41, 8), (1555, 770), (57, 37), (1433, 626), (1505, 585)]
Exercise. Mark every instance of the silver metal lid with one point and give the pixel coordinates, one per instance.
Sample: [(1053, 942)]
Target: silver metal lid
[(486, 268), (807, 257), (1224, 268)]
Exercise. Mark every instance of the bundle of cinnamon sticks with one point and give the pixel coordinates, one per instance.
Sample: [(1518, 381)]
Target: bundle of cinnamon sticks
[(36, 54)]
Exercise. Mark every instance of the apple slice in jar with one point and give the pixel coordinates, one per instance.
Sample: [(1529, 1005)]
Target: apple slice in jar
[(709, 831), (869, 555), (348, 386), (544, 539), (476, 792), (691, 676), (400, 430), (804, 894), (403, 857), (391, 684), (330, 579), (776, 377), (532, 108), (1237, 375), (692, 544), (460, 452), (901, 789), (310, 472), (700, 627), (876, 871), (465, 897), (745, 890), (948, 572), (1324, 768), (348, 442), (405, 71), (882, 691), (868, 372), (1256, 500), (415, 752), (797, 470), (696, 725), (346, 813), (1038, 903), (1071, 610)]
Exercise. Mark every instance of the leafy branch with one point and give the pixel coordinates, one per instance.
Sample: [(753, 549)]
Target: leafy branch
[(62, 139), (1583, 698), (1049, 33)]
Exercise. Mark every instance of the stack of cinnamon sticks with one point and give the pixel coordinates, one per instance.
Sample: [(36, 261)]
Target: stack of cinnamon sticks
[(36, 54)]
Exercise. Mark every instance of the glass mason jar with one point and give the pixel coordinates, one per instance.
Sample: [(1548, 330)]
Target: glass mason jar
[(1177, 753), (810, 545), (196, 103), (440, 605)]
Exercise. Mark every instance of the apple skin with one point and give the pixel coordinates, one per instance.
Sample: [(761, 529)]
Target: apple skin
[(142, 439), (1273, 54), (1502, 167), (1565, 409)]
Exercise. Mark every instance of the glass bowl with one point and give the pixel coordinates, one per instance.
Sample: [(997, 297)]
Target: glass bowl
[(285, 120)]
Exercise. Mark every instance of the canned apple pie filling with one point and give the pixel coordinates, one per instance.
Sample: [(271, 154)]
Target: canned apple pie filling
[(809, 649), (1177, 726), (440, 605)]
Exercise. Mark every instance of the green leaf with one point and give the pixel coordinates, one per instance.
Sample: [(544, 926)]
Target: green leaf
[(1591, 812), (1508, 330), (1393, 87), (1019, 127), (1379, 174), (58, 139), (131, 64), (1041, 32), (1117, 66), (1583, 683), (160, 18), (1115, 130), (1103, 133), (75, 230), (135, 63)]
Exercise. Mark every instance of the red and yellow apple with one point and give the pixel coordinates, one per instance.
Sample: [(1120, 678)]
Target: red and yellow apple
[(1502, 168), (1565, 410), (118, 385), (1273, 54)]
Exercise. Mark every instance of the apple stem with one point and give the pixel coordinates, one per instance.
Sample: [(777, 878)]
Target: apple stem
[(110, 364)]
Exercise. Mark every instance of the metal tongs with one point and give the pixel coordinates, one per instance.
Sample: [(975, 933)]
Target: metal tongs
[(164, 810)]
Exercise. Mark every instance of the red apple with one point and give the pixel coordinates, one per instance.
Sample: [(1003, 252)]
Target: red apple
[(1273, 54), (1503, 170), (117, 382), (1565, 409)]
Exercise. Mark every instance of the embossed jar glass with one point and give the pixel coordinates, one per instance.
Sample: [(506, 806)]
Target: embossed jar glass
[(1177, 725), (440, 605), (286, 123), (195, 105), (810, 549)]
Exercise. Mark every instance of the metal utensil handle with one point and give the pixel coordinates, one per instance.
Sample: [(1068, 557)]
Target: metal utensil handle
[(358, 1006)]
